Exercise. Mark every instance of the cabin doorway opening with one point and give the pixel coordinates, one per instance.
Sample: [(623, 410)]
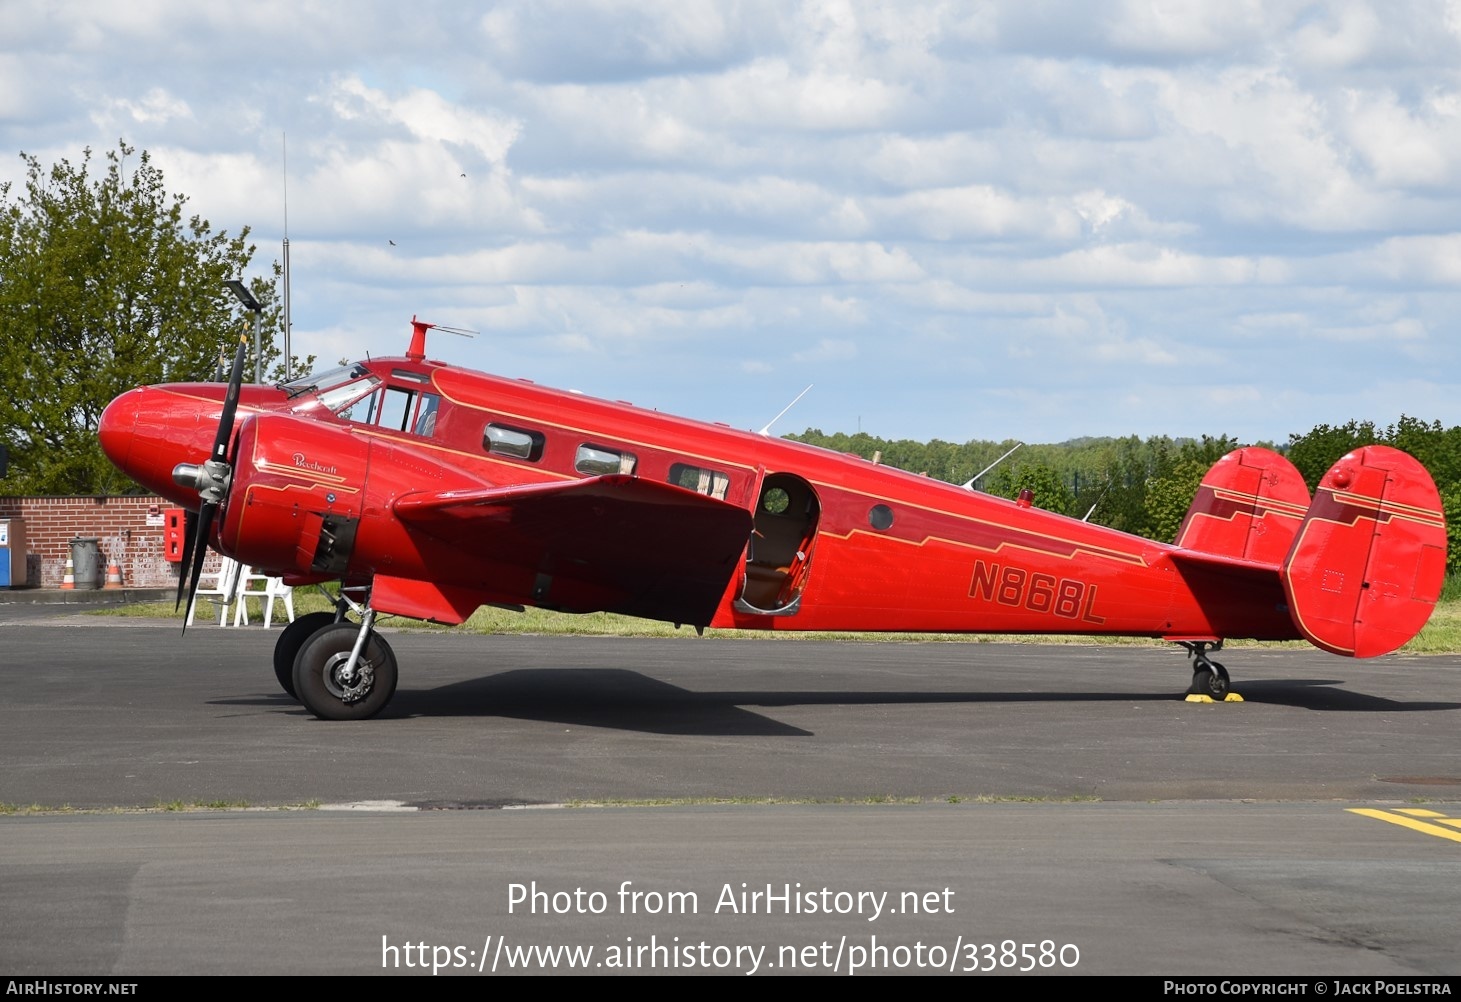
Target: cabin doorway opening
[(779, 556)]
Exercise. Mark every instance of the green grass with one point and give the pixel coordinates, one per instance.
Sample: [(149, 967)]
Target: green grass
[(1442, 635)]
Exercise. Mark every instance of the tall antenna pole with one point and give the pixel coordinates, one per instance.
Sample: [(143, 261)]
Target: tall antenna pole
[(284, 146)]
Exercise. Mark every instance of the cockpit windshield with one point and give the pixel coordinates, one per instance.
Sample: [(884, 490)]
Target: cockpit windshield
[(337, 390)]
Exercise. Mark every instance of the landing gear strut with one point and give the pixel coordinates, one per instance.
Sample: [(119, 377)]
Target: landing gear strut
[(1208, 677)]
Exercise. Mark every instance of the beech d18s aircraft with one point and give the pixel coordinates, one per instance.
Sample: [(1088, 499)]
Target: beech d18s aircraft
[(427, 490)]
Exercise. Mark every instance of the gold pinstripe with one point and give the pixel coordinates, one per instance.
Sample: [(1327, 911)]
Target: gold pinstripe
[(1078, 550), (1410, 513)]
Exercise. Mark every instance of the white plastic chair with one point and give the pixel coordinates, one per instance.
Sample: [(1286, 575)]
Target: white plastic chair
[(267, 591), (218, 588)]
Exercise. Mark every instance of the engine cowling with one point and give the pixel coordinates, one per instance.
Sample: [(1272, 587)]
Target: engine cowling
[(312, 500), (297, 495)]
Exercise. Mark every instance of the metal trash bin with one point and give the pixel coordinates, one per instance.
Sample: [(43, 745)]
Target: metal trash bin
[(86, 563)]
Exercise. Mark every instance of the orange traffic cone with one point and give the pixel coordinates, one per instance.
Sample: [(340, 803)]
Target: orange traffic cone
[(69, 581), (114, 576)]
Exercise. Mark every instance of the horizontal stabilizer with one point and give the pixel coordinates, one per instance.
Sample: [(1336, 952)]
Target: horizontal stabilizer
[(1367, 566), (1249, 507)]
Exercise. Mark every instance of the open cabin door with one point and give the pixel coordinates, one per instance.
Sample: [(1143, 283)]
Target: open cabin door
[(779, 556)]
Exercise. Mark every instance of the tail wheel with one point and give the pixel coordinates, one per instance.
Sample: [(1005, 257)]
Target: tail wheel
[(295, 636), (1212, 680), (327, 690)]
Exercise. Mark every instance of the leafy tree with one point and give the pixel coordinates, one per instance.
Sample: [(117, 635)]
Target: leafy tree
[(1168, 497), (1316, 450), (1050, 491), (1437, 448), (105, 285)]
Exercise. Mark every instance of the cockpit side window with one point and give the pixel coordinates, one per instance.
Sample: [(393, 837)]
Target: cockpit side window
[(426, 408), (395, 408)]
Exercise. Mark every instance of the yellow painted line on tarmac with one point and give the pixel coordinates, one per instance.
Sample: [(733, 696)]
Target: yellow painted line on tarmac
[(1405, 819)]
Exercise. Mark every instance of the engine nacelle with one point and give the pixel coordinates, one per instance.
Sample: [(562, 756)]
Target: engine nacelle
[(302, 487), (296, 498)]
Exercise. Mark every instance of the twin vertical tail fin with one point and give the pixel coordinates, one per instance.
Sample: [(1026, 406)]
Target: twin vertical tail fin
[(1249, 508), (1367, 565), (1361, 566)]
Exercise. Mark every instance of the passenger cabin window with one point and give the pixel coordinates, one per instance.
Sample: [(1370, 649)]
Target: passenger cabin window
[(502, 440), (598, 461), (702, 481)]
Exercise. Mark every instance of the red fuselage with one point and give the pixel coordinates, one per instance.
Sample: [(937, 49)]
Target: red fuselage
[(834, 543)]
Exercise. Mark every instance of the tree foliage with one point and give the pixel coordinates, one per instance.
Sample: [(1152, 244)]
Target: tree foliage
[(105, 284), (1050, 491)]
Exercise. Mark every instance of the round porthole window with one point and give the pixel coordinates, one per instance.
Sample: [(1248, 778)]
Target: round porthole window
[(776, 501), (880, 517)]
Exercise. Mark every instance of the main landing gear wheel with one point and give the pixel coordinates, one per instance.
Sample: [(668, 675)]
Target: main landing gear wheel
[(286, 648), (325, 688)]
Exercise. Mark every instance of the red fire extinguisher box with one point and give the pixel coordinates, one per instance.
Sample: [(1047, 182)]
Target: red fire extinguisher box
[(173, 535)]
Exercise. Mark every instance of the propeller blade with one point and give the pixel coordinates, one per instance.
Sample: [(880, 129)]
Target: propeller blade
[(190, 538), (230, 403), (200, 551), (197, 532)]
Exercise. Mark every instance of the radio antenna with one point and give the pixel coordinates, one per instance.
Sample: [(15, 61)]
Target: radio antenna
[(284, 162), (767, 429), (969, 484)]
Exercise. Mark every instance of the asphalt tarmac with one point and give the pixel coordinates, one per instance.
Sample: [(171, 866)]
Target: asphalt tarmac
[(1063, 798)]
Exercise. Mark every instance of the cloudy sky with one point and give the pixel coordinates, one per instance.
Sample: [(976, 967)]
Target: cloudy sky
[(1021, 219)]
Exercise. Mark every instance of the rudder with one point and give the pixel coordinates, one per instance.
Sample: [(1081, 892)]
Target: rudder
[(1368, 563)]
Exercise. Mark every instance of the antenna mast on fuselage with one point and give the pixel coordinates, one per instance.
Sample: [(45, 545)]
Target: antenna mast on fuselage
[(417, 350), (284, 152), (969, 484), (766, 430)]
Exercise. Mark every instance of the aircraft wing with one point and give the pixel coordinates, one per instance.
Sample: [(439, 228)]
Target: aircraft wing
[(613, 543)]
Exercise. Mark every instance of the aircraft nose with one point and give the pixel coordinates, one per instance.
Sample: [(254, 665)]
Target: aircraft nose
[(118, 428), (148, 431)]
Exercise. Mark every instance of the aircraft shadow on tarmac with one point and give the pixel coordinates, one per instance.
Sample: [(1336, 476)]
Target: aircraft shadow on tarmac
[(624, 699)]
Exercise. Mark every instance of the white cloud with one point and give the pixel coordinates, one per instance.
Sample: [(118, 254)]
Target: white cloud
[(1404, 147), (828, 350), (1026, 196), (1187, 27), (1340, 35)]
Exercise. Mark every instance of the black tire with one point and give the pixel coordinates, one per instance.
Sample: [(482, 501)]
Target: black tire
[(1211, 681), (317, 682), (286, 648)]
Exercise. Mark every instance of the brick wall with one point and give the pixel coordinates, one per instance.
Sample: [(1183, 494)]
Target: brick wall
[(119, 524)]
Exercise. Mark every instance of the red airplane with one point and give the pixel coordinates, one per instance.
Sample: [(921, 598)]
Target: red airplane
[(429, 490)]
